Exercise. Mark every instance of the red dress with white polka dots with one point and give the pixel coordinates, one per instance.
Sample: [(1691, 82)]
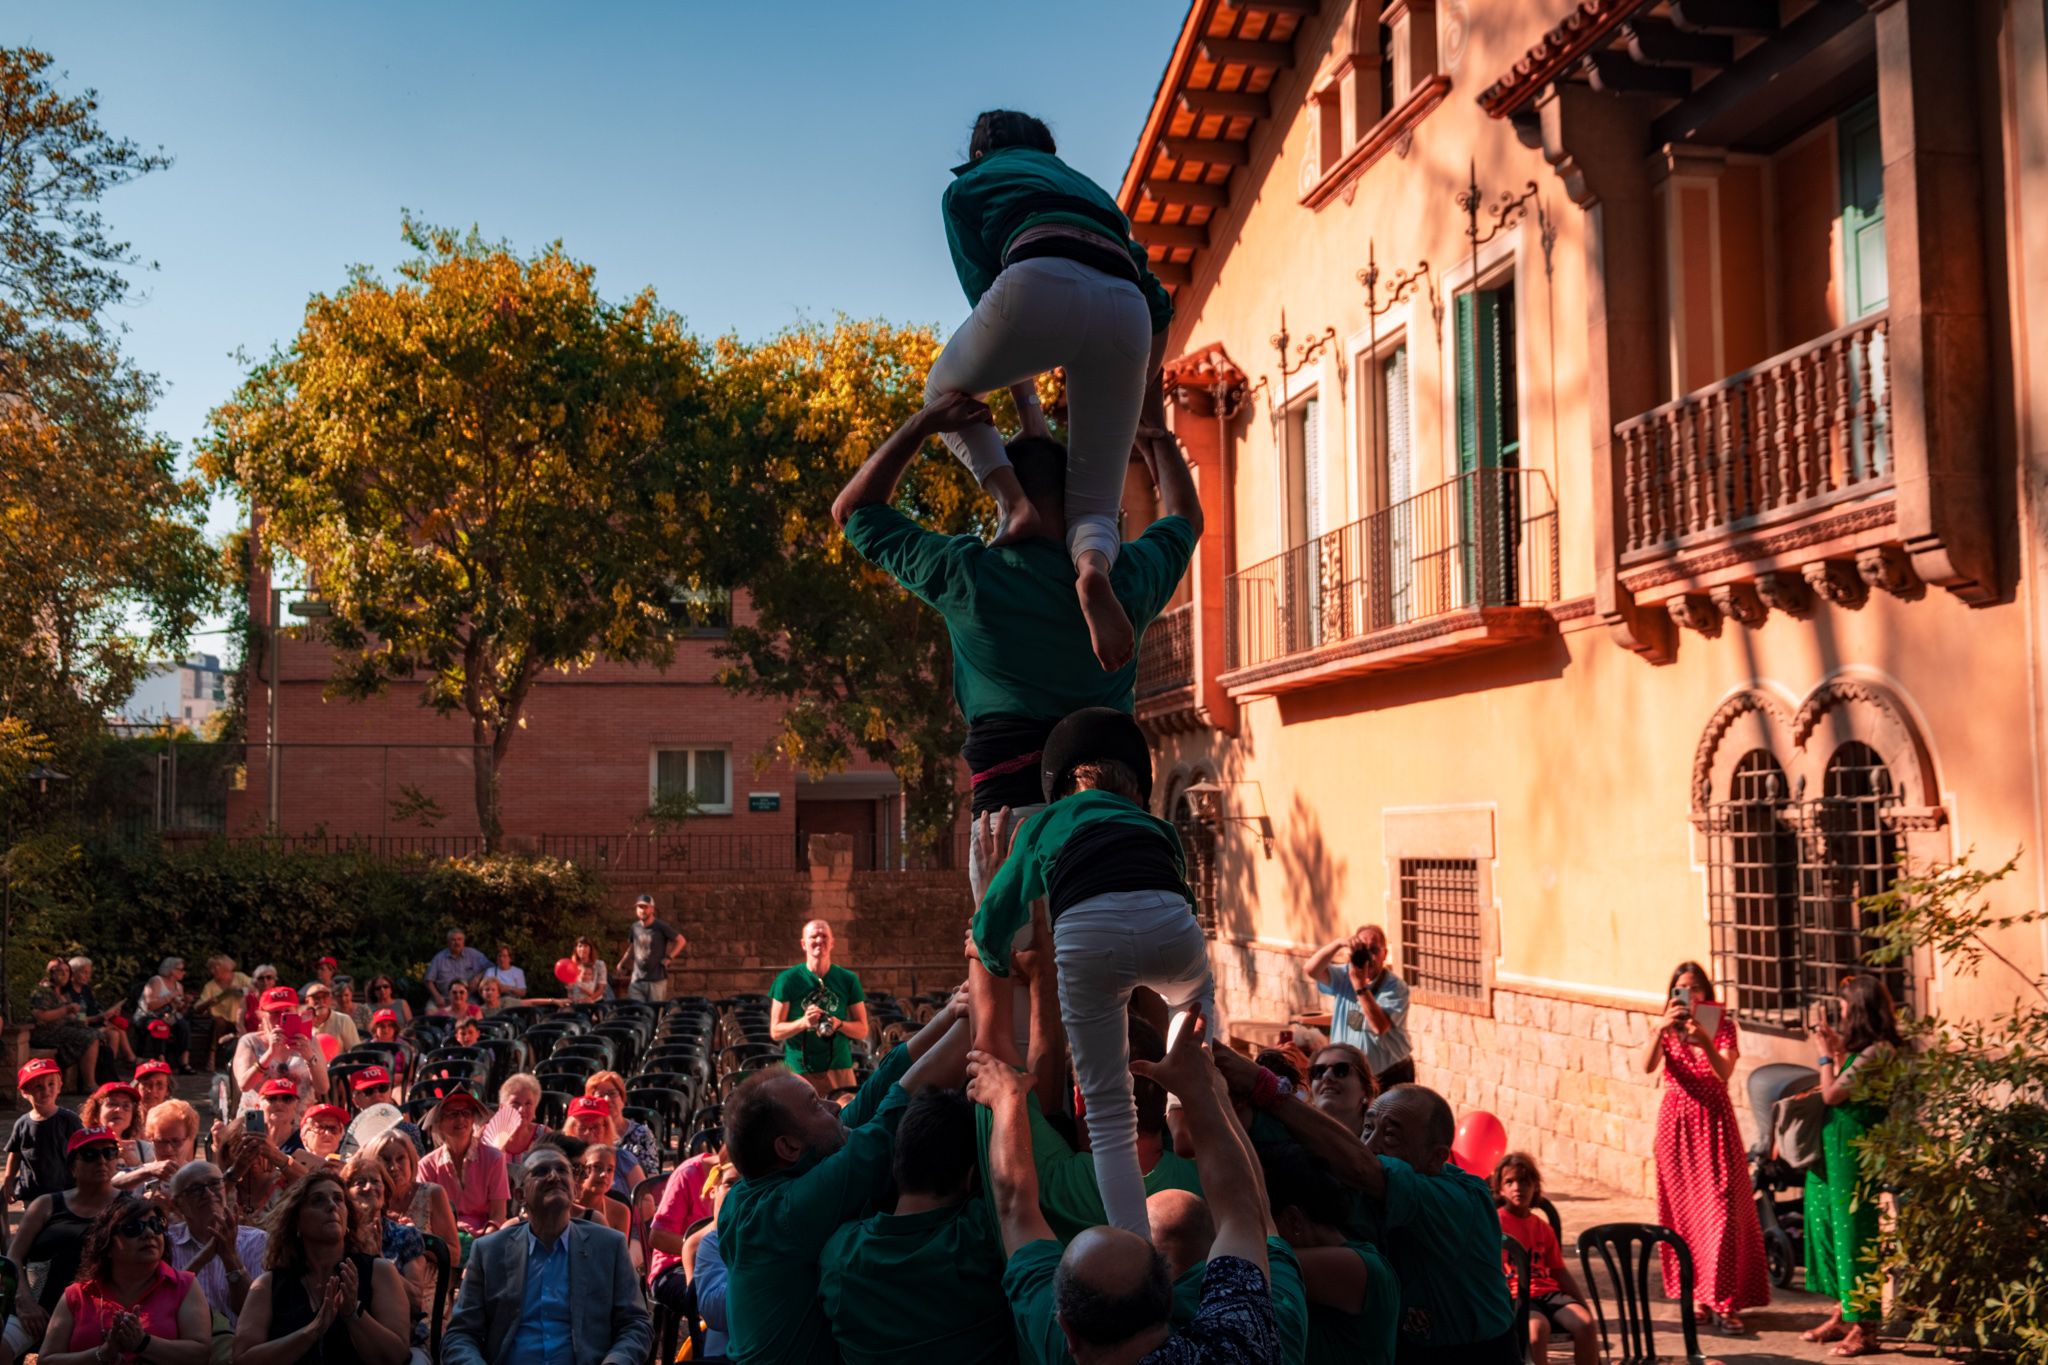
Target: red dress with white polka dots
[(1703, 1189)]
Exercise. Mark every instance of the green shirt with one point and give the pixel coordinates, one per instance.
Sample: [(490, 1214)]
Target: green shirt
[(1067, 1193), (918, 1286), (1291, 1309), (1013, 188), (1442, 1235), (1026, 873), (1367, 1336), (773, 1229), (1020, 645), (837, 992)]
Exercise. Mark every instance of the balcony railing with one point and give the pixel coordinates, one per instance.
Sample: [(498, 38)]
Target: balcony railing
[(1804, 429), (1166, 656), (1487, 538)]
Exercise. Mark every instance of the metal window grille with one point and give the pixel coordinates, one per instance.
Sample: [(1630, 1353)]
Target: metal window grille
[(1848, 853), (1753, 895), (1442, 938)]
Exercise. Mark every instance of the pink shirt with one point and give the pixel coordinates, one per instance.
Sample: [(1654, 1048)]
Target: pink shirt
[(483, 1179), (683, 1202), (92, 1311)]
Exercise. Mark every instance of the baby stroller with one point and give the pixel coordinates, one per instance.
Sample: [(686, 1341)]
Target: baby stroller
[(1780, 1190)]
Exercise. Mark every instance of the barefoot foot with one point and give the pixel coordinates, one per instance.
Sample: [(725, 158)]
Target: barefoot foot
[(1832, 1330), (1855, 1342), (1109, 629)]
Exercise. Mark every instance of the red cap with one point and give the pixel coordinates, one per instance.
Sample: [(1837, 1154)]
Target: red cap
[(118, 1088), (329, 1111), (280, 1086), (461, 1099), (159, 1028), (155, 1066), (36, 1069), (90, 1137), (327, 962), (384, 1016), (369, 1078), (279, 998), (590, 1107)]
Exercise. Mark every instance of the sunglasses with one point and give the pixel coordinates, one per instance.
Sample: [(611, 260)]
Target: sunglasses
[(142, 1225), (99, 1154), (1339, 1071)]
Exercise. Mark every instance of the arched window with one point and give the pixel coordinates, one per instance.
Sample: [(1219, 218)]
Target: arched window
[(1753, 895), (1851, 854)]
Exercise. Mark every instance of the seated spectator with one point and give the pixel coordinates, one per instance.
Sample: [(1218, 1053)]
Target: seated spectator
[(53, 1228), (327, 1020), (596, 1169), (590, 1120), (590, 984), (60, 1024), (164, 1000), (711, 1283), (1354, 1301), (220, 1008), (345, 1002), (384, 1029), (802, 1174), (153, 1083), (37, 1146), (521, 1094), (1555, 1300), (253, 1166), (630, 1135), (264, 978), (685, 1201), (472, 1172), (173, 1131), (925, 1281), (206, 1241), (511, 980), (382, 994), (321, 1130), (114, 1107), (372, 1085), (318, 1299), (114, 1041), (280, 1047), (517, 1302), (325, 971), (126, 1301), (376, 1233), (281, 1115), (458, 1004), (490, 996), (422, 1203), (1109, 1291), (468, 1033), (458, 963)]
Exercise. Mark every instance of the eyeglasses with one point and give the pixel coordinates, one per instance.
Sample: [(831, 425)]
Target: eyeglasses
[(142, 1225), (1336, 1071), (206, 1187)]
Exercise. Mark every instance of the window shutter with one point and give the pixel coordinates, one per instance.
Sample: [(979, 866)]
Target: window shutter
[(1400, 488), (1464, 342), (1312, 467), (1865, 272)]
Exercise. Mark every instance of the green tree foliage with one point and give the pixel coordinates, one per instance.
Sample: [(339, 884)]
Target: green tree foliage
[(1965, 1137), (97, 530), (483, 468), (860, 666)]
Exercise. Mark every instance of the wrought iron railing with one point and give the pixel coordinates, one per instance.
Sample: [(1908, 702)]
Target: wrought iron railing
[(1487, 538), (1802, 429), (1166, 656)]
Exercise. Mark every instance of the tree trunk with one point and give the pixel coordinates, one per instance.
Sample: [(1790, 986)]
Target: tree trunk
[(484, 764)]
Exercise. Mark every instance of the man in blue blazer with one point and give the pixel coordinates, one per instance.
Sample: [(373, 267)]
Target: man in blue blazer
[(550, 1290)]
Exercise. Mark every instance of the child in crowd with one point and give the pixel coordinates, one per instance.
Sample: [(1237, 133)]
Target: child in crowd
[(1555, 1300), (1115, 882), (35, 1149)]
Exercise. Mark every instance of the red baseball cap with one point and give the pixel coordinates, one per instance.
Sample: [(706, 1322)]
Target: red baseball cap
[(279, 998), (590, 1107), (327, 962), (461, 1099), (280, 1086), (36, 1069), (329, 1111), (386, 1016), (90, 1137), (159, 1028), (118, 1088), (155, 1066), (369, 1078)]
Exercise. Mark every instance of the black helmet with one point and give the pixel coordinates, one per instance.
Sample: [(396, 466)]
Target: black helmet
[(1097, 732)]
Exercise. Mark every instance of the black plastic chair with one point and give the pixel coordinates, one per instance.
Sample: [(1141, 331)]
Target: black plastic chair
[(10, 1285), (1628, 1250), (1518, 1261), (437, 1249), (553, 1109)]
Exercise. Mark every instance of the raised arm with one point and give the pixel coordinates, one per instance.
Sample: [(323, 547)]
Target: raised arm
[(1326, 1139), (1316, 969), (1177, 497), (874, 483), (1012, 1173), (1231, 1181)]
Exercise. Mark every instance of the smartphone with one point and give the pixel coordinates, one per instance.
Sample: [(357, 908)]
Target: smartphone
[(1681, 996), (253, 1121), (294, 1027)]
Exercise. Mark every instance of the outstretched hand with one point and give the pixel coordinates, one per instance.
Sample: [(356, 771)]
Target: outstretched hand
[(1185, 1069), (955, 412)]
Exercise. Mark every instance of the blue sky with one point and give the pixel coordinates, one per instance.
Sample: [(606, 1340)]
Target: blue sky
[(757, 163)]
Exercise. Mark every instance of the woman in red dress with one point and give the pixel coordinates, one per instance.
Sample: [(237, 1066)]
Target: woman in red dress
[(1703, 1189)]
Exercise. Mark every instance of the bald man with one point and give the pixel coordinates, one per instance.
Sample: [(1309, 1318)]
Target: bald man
[(824, 1012)]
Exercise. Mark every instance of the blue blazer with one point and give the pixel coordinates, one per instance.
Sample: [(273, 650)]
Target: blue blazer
[(608, 1322)]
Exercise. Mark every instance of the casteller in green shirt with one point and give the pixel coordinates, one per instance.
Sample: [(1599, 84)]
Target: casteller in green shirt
[(918, 1286), (1439, 1232), (1020, 645), (1366, 1337), (1067, 1193), (837, 992), (1291, 1308)]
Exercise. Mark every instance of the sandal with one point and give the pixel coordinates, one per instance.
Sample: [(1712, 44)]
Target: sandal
[(1855, 1342), (1730, 1323), (1831, 1330)]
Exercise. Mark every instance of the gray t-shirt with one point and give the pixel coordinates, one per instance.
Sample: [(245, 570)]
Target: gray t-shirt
[(650, 943)]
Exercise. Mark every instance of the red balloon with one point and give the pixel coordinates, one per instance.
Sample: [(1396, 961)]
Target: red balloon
[(566, 971), (330, 1046), (1480, 1144)]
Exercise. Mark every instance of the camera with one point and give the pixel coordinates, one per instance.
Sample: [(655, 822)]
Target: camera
[(1361, 957)]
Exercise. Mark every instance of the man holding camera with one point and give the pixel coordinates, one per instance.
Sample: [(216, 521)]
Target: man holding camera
[(1369, 1009)]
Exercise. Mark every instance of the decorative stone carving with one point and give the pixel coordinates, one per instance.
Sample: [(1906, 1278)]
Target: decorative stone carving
[(1886, 567), (1740, 603), (1456, 28), (1837, 581), (1784, 591), (1693, 611), (1747, 702)]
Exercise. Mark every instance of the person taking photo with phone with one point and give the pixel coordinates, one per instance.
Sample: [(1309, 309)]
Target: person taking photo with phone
[(281, 1047), (1703, 1189), (1369, 1006)]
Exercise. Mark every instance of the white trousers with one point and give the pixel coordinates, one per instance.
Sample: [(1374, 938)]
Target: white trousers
[(1043, 314), (1102, 948)]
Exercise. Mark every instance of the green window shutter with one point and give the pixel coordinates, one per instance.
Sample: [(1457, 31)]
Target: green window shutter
[(1467, 359), (1866, 281)]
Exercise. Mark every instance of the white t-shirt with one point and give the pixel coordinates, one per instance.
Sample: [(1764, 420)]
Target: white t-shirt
[(251, 1046), (512, 978)]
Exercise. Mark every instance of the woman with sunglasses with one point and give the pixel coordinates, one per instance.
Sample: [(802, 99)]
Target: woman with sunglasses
[(1341, 1084), (319, 1300), (54, 1226), (383, 995), (128, 1302)]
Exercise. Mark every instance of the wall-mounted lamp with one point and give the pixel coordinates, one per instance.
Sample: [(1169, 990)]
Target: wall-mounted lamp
[(1206, 800)]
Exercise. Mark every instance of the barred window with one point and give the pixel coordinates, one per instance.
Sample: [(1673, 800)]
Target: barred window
[(1753, 895), (1850, 855), (1443, 940)]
